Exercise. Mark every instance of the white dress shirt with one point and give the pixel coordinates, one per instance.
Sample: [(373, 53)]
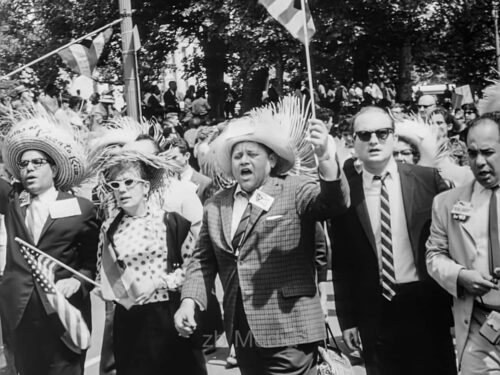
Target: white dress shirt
[(404, 263), (479, 220), (239, 206), (38, 211)]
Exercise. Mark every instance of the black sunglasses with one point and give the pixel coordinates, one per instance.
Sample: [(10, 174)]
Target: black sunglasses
[(382, 134), (424, 105)]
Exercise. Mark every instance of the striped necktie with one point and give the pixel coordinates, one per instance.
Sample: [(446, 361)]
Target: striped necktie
[(388, 275), (242, 226), (494, 248)]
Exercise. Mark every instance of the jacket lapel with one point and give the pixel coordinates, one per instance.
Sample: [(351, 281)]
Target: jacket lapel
[(359, 202), (20, 213), (407, 180), (50, 220), (466, 196), (271, 188), (227, 214)]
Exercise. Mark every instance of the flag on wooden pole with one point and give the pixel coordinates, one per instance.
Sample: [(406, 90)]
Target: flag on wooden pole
[(82, 59), (289, 14), (42, 268)]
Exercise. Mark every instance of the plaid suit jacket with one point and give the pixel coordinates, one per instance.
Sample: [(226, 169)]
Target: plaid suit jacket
[(275, 268)]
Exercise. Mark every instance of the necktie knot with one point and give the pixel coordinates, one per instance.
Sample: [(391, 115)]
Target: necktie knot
[(381, 177)]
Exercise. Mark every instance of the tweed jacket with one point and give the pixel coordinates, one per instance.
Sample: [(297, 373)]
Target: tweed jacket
[(450, 248), (72, 240), (275, 267), (355, 267)]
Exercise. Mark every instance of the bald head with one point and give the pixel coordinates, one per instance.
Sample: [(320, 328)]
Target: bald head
[(426, 104)]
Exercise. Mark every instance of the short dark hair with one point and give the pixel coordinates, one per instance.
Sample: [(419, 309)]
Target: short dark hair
[(181, 144), (375, 109), (492, 116)]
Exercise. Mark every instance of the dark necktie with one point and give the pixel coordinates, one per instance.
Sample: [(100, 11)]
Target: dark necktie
[(388, 275), (242, 226), (494, 248)]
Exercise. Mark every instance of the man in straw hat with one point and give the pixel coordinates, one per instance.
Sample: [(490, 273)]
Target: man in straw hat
[(259, 236), (47, 162)]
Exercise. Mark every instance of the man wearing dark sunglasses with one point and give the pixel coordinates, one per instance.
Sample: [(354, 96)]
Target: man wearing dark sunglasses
[(426, 104), (386, 303)]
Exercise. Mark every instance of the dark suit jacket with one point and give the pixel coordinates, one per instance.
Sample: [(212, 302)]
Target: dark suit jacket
[(275, 269), (355, 267), (202, 183), (170, 102), (72, 240)]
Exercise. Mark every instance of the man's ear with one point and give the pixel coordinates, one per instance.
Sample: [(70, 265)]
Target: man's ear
[(187, 155), (273, 159), (54, 171)]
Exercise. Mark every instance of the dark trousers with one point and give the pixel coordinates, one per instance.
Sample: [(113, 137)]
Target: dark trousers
[(146, 342), (412, 336), (38, 348), (256, 360), (107, 364)]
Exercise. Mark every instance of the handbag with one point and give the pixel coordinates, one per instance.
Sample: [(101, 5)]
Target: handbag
[(331, 360)]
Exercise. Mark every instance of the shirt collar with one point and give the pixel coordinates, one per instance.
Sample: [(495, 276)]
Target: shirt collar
[(480, 189), (391, 168), (48, 196), (240, 192)]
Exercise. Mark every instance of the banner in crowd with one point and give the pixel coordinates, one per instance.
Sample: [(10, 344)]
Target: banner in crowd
[(289, 14), (82, 59)]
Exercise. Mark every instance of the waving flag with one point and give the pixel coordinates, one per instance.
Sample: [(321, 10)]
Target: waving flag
[(289, 14), (82, 59), (42, 268)]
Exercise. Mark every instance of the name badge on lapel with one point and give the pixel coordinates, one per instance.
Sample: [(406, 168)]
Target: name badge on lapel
[(261, 200), (24, 198), (461, 211), (65, 208)]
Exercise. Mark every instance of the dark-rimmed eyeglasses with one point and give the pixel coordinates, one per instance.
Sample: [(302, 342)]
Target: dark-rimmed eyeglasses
[(37, 163), (129, 183), (382, 134), (424, 105), (402, 153)]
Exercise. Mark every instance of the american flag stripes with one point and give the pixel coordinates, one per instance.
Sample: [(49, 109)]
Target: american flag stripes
[(83, 59), (42, 268), (286, 13)]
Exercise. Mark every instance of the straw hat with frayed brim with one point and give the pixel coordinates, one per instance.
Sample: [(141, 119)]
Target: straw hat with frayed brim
[(255, 129), (43, 135)]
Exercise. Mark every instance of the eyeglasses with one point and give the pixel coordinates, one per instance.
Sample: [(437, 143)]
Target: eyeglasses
[(381, 134), (129, 183), (424, 105), (469, 112), (402, 153), (37, 163)]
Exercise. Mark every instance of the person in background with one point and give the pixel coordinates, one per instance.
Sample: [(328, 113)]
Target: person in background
[(170, 99)]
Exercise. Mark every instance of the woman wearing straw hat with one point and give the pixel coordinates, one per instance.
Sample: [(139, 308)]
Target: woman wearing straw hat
[(141, 268), (47, 162), (259, 237)]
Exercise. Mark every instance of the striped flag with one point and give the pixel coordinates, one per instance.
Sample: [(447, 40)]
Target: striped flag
[(42, 268), (82, 59), (289, 14)]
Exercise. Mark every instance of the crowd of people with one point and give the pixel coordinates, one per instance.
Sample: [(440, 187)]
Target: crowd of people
[(154, 211)]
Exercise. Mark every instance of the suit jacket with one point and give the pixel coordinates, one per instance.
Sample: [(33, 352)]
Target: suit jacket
[(72, 240), (170, 101), (450, 248), (355, 267), (275, 268), (203, 184)]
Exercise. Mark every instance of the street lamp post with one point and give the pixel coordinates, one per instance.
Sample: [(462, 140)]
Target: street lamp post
[(497, 41)]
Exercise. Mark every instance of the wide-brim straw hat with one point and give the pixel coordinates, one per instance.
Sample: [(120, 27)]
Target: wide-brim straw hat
[(42, 134), (264, 130)]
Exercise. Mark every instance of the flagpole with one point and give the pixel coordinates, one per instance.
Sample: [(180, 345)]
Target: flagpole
[(60, 49), (308, 59), (59, 263)]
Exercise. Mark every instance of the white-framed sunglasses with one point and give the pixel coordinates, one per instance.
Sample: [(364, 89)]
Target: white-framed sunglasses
[(128, 183)]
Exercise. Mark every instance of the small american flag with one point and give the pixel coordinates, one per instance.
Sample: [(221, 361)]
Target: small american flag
[(42, 268), (289, 14)]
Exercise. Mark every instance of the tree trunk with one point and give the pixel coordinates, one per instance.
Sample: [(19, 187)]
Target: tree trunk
[(215, 65), (404, 92), (279, 76), (254, 85), (361, 62)]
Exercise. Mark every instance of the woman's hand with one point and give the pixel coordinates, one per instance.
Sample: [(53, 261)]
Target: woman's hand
[(144, 290)]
